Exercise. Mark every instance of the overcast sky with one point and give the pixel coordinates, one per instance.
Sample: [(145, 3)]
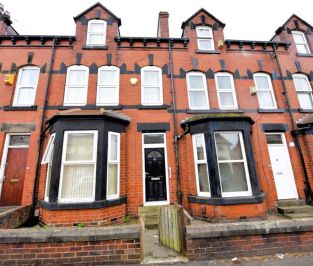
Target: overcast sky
[(245, 19)]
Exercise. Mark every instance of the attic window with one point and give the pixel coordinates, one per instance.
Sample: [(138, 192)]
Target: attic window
[(205, 38), (96, 35), (301, 43)]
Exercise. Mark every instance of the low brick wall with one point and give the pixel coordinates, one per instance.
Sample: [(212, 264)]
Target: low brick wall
[(212, 241), (68, 246)]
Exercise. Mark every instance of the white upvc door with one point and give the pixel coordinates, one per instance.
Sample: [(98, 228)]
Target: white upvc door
[(281, 166)]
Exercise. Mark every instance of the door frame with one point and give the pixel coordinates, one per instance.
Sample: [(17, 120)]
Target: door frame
[(5, 155), (155, 203), (285, 146)]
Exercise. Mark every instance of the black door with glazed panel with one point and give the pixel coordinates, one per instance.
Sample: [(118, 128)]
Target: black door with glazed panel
[(155, 174)]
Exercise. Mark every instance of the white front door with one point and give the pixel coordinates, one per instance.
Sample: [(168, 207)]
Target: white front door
[(281, 166)]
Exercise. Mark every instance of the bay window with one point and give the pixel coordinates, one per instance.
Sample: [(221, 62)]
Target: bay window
[(76, 86), (226, 91), (26, 86), (265, 91), (78, 170), (113, 166), (96, 35), (304, 91), (108, 85), (197, 91), (151, 86)]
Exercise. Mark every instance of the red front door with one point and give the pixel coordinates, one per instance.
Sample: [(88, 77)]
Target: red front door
[(15, 168)]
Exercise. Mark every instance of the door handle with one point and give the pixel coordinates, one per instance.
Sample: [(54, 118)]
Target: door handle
[(155, 178)]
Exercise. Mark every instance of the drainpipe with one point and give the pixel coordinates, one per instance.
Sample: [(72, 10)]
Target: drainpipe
[(176, 137), (42, 131), (307, 190)]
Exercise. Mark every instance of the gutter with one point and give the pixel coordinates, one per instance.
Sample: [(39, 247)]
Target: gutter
[(42, 134)]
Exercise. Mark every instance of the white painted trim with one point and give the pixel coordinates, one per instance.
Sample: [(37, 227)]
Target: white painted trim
[(210, 38), (309, 91), (96, 21), (93, 162), (143, 86), (5, 155), (305, 43), (160, 145), (116, 86), (205, 89), (18, 87), (232, 90), (117, 162), (244, 160), (71, 102), (48, 152), (270, 89), (196, 162)]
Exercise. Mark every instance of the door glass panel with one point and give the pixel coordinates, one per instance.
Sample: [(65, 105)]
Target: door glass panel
[(19, 140), (274, 139), (154, 139)]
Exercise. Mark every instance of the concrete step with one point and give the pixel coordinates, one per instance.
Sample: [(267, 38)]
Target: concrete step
[(298, 215), (290, 202), (295, 209)]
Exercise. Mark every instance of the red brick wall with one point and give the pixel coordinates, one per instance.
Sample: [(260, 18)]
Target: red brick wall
[(80, 253), (250, 245)]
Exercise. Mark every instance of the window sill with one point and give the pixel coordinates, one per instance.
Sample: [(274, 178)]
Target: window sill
[(214, 111), (304, 55), (53, 206), (208, 52), (153, 107), (260, 110), (227, 201), (20, 108), (94, 47), (305, 110)]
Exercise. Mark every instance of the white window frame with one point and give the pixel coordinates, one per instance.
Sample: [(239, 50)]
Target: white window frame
[(244, 160), (197, 162), (116, 86), (210, 38), (143, 86), (232, 90), (18, 86), (309, 92), (47, 159), (116, 162), (96, 21), (69, 102), (93, 161), (270, 89), (301, 43), (205, 89)]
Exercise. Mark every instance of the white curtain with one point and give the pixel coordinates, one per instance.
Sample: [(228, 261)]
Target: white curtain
[(197, 99), (265, 99), (151, 77), (305, 100), (79, 147), (152, 94)]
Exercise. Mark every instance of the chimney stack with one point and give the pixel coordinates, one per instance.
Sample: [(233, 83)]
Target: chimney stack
[(5, 22), (163, 28)]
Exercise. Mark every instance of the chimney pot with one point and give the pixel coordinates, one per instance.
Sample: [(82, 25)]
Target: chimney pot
[(7, 13)]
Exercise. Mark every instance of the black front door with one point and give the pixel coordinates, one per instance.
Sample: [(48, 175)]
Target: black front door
[(155, 174)]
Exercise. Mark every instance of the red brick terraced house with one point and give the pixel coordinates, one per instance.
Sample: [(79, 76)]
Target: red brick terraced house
[(96, 125)]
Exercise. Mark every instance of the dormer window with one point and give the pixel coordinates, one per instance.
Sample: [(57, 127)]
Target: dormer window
[(301, 43), (205, 38), (96, 35)]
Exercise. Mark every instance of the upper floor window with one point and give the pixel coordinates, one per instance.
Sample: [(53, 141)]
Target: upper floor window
[(205, 38), (151, 86), (197, 91), (26, 86), (301, 43), (96, 34), (226, 91), (76, 86), (265, 91), (108, 85), (304, 91)]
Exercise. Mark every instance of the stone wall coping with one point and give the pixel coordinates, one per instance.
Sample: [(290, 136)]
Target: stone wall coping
[(29, 235), (206, 230)]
